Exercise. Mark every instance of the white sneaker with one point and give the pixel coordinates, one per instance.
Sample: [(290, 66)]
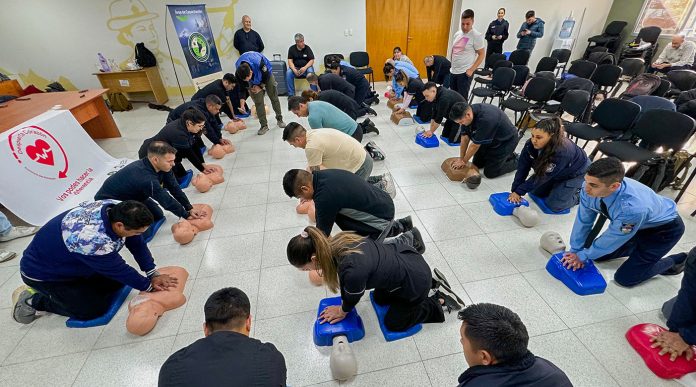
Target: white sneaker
[(387, 184), (6, 255), (19, 232)]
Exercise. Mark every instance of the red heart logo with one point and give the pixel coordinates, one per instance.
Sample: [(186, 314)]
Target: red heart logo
[(40, 152)]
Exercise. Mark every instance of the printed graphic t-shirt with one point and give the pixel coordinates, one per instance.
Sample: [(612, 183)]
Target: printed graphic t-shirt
[(464, 48)]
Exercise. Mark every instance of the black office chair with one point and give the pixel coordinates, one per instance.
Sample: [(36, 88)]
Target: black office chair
[(563, 56), (500, 86), (546, 64), (485, 80), (632, 67), (644, 46), (601, 58), (569, 85), (519, 57), (657, 127), (681, 80), (328, 58), (575, 103), (582, 68), (537, 92), (361, 61), (521, 75), (613, 117), (664, 87), (488, 63), (606, 77), (610, 38)]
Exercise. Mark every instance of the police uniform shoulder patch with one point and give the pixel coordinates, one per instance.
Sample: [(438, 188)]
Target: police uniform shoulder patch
[(627, 228), (550, 167)]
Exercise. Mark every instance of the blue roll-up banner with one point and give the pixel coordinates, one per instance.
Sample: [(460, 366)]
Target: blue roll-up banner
[(196, 37)]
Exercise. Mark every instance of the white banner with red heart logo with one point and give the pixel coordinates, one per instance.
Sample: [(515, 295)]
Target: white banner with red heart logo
[(49, 165)]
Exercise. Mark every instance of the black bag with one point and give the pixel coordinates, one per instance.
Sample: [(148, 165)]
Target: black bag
[(643, 84), (144, 57), (656, 174)]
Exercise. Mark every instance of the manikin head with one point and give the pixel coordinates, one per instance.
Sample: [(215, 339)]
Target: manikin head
[(298, 105), (161, 156), (297, 183), (467, 22), (604, 177), (501, 14), (295, 134), (227, 309), (229, 81), (492, 334), (529, 16), (462, 113), (430, 91), (194, 120), (677, 41), (213, 104), (129, 218), (299, 41), (246, 23)]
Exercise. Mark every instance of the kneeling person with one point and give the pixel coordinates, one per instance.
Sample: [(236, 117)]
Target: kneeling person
[(487, 136), (73, 266), (559, 167)]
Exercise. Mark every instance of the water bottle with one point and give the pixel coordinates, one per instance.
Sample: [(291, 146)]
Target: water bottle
[(103, 63)]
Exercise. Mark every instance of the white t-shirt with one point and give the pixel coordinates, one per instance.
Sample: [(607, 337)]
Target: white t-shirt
[(464, 48)]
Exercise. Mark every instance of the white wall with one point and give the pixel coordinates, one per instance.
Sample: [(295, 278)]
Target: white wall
[(553, 12)]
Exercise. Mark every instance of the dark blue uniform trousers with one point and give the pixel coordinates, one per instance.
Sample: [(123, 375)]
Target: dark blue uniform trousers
[(680, 311), (561, 195), (645, 253)]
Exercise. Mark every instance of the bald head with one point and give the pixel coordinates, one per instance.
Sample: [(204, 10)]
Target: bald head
[(246, 23)]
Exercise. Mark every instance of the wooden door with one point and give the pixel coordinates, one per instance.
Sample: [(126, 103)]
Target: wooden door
[(387, 27), (419, 27), (428, 30)]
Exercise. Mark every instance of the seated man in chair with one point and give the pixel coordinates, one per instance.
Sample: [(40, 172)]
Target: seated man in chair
[(676, 56), (300, 63)]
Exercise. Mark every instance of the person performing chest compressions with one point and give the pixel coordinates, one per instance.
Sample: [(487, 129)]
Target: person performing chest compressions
[(559, 167), (644, 226), (354, 264)]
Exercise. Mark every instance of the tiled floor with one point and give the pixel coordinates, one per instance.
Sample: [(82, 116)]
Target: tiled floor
[(488, 258)]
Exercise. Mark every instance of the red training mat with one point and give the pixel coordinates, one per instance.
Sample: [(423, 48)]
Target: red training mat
[(639, 337)]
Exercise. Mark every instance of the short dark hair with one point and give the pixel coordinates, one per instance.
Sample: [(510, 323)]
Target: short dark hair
[(397, 48), (529, 14), (496, 329), (213, 99), (608, 170), (226, 308), (312, 77), (388, 67), (429, 85), (294, 102), (230, 78), (292, 130), (468, 14), (132, 213), (194, 115), (293, 180), (400, 76), (333, 64), (458, 110), (243, 71), (502, 9), (159, 148)]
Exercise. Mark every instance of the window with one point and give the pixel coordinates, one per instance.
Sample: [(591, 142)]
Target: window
[(673, 16)]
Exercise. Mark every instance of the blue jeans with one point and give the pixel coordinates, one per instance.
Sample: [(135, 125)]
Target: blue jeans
[(290, 80), (5, 225)]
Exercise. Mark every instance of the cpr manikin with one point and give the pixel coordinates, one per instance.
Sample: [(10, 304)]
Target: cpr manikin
[(306, 207), (146, 308), (402, 117), (217, 176), (552, 242), (527, 216), (468, 175), (218, 151), (202, 182), (342, 361), (186, 229), (235, 126)]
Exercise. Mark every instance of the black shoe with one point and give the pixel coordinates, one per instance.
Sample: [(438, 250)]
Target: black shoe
[(406, 223), (678, 268), (439, 278), (367, 122), (449, 304), (441, 284), (371, 129), (418, 243), (371, 112)]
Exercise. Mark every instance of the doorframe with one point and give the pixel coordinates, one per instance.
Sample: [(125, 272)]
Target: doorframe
[(454, 22)]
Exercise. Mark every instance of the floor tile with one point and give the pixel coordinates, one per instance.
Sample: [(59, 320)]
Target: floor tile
[(232, 254), (521, 247), (244, 195), (474, 258), (284, 215), (406, 375), (284, 290), (55, 371), (445, 370), (237, 221), (448, 223), (426, 196)]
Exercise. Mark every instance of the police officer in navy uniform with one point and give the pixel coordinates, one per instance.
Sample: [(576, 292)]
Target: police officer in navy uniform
[(644, 226), (497, 33)]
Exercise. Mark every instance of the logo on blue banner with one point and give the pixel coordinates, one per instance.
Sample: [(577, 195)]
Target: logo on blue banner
[(196, 39)]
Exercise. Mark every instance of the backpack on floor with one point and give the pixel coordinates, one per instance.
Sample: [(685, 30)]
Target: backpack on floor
[(144, 57), (643, 84), (118, 102), (663, 172)]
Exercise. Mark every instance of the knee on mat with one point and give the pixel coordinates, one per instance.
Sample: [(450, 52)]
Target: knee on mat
[(394, 325), (492, 173), (625, 280)]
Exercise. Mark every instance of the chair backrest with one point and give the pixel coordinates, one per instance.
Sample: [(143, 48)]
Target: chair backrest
[(521, 74), (615, 114), (664, 87), (632, 66), (328, 58), (539, 89), (649, 34), (664, 128), (503, 78), (359, 59), (650, 102), (492, 59), (562, 54), (575, 102), (502, 63), (582, 68), (546, 63), (682, 79), (606, 75), (615, 28), (601, 57), (519, 57), (598, 49), (545, 74)]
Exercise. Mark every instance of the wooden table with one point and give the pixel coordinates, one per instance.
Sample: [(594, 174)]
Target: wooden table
[(146, 80), (88, 108)]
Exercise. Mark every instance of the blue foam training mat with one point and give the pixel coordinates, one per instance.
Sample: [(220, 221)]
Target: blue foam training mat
[(507, 55), (502, 206), (186, 180), (203, 149), (427, 142), (381, 311), (544, 208), (351, 326), (413, 104), (420, 121), (155, 227), (238, 115), (584, 282), (447, 141), (116, 303)]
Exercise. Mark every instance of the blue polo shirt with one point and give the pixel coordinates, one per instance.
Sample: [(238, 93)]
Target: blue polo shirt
[(325, 115)]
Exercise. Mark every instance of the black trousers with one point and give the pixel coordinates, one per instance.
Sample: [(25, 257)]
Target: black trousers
[(362, 89), (497, 161), (680, 311), (424, 111), (358, 134), (461, 83), (494, 47), (451, 131), (83, 299)]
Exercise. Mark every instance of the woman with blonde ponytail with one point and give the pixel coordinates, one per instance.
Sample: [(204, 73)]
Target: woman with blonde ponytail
[(353, 264)]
